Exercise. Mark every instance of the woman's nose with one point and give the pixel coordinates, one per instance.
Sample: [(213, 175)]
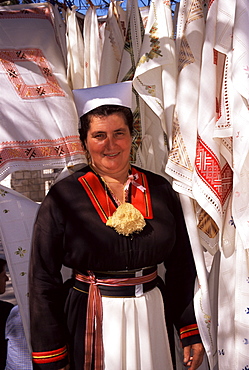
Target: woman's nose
[(110, 142)]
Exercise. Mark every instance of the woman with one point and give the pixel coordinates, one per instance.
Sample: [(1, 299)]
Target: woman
[(111, 223)]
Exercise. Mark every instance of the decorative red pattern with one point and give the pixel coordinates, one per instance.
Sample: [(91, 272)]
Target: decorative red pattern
[(39, 149), (105, 208), (8, 57), (208, 168), (41, 12)]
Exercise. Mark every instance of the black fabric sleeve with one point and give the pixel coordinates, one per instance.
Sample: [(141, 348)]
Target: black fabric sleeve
[(48, 333), (180, 279)]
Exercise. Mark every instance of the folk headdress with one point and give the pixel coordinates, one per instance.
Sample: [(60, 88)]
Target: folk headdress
[(93, 97)]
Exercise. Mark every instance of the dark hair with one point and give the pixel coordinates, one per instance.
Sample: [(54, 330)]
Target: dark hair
[(3, 263), (104, 111)]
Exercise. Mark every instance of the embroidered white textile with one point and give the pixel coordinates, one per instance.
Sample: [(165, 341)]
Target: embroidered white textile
[(38, 117), (75, 51), (115, 32), (92, 48), (183, 134), (154, 81), (212, 177), (16, 225), (130, 57), (155, 74)]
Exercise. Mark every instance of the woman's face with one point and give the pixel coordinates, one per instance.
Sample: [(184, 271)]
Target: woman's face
[(109, 144)]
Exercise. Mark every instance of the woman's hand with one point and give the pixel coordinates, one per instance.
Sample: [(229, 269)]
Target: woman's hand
[(193, 356)]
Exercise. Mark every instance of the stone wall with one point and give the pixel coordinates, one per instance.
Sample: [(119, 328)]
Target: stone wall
[(33, 184)]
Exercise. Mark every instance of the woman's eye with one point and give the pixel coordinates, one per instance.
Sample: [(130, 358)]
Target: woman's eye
[(120, 133), (99, 136)]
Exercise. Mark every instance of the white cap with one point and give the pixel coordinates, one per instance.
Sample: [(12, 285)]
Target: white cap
[(117, 94)]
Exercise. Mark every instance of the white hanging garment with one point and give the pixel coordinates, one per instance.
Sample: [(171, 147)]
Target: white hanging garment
[(115, 31), (38, 118), (16, 225), (75, 51), (92, 48)]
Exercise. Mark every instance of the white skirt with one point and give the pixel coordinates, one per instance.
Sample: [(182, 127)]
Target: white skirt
[(134, 333)]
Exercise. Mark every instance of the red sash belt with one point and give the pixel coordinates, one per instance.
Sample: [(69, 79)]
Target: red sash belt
[(95, 314)]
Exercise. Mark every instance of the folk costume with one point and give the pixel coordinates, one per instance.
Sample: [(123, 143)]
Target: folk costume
[(111, 314), (71, 229)]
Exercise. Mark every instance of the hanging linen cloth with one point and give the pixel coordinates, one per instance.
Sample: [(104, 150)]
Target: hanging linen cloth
[(75, 51), (155, 75), (16, 224), (92, 48), (212, 176), (233, 306), (60, 29), (189, 43), (115, 32), (182, 135), (38, 117), (240, 113), (155, 82), (130, 57)]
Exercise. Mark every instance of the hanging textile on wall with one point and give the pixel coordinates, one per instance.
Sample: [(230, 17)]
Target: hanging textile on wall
[(60, 29), (92, 48), (16, 225), (189, 43), (182, 136), (212, 176), (75, 51), (233, 306), (155, 80), (240, 114), (155, 76), (130, 57), (115, 32), (38, 117)]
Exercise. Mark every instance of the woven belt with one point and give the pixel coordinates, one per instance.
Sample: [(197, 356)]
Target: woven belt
[(94, 317)]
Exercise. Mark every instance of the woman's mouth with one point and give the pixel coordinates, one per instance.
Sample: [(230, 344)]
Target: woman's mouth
[(111, 155)]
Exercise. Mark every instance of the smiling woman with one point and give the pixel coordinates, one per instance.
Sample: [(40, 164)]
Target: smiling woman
[(108, 143), (112, 223)]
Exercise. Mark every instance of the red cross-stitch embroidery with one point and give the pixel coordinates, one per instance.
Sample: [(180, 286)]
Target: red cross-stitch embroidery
[(207, 165), (41, 12), (39, 149), (8, 57)]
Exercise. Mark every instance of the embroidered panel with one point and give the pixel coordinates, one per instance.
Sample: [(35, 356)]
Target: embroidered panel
[(208, 167), (38, 12), (39, 149), (105, 207), (9, 59), (178, 153)]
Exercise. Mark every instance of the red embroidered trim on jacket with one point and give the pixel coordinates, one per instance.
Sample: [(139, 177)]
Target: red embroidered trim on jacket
[(188, 331), (96, 192), (49, 356)]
